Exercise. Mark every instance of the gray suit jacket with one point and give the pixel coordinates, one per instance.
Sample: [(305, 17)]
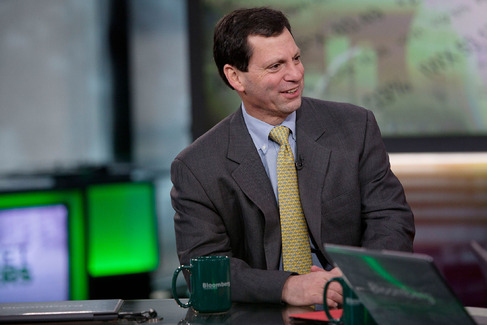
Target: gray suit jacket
[(225, 204)]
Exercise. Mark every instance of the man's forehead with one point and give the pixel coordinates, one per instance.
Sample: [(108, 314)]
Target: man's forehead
[(265, 45)]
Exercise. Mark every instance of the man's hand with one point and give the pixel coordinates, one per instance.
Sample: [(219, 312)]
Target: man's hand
[(307, 289)]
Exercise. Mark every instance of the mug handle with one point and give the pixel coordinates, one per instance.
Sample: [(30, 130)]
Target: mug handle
[(325, 306), (174, 292)]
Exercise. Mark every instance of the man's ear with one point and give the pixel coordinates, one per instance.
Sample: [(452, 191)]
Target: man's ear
[(233, 77)]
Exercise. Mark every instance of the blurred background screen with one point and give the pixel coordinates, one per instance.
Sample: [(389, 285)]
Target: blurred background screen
[(420, 66), (34, 253)]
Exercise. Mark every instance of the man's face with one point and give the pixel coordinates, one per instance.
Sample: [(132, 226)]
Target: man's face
[(273, 86)]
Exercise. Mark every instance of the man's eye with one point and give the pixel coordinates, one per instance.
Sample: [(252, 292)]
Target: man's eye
[(298, 58), (275, 66)]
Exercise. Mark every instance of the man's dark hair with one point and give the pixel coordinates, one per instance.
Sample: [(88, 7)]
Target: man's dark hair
[(230, 37)]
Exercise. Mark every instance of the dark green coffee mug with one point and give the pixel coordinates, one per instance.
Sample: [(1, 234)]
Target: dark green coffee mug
[(354, 312), (210, 284)]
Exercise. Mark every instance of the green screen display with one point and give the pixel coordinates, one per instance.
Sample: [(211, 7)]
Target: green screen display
[(122, 229)]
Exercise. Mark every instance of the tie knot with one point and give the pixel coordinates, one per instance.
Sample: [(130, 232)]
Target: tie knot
[(280, 134)]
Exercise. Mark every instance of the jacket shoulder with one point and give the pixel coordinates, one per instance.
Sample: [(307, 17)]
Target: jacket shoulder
[(319, 106)]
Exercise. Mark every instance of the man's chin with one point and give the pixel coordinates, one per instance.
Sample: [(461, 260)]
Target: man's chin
[(294, 105)]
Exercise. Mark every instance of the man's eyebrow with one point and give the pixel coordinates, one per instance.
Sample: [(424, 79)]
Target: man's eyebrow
[(277, 60)]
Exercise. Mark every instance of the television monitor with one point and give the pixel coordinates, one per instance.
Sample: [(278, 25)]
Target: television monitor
[(99, 231), (42, 250), (419, 65), (122, 227), (34, 253)]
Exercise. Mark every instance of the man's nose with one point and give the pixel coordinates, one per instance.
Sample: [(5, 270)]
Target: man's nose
[(294, 72)]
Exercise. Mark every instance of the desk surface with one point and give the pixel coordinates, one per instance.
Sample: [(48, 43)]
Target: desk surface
[(239, 314)]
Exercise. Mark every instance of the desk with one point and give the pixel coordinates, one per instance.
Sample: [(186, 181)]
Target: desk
[(247, 314), (239, 314)]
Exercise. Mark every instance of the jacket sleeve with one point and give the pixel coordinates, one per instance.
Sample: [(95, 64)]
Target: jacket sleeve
[(388, 220)]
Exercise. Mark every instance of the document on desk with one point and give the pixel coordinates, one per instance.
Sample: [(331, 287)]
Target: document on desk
[(55, 311), (317, 316)]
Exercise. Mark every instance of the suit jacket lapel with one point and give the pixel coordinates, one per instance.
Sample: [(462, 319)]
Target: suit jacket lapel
[(250, 175), (311, 177)]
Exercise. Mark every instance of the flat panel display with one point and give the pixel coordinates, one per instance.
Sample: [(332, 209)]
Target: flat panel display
[(34, 254), (419, 65), (122, 224), (42, 246)]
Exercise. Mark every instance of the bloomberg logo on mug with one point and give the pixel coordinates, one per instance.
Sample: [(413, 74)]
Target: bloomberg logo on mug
[(214, 286)]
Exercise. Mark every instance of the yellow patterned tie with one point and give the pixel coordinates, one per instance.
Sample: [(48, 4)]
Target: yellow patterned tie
[(296, 250)]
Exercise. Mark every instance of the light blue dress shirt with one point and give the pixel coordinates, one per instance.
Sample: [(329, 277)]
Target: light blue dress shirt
[(268, 150)]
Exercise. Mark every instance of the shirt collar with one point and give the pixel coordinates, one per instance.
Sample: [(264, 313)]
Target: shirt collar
[(259, 130)]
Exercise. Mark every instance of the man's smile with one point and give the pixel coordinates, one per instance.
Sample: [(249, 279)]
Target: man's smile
[(291, 91)]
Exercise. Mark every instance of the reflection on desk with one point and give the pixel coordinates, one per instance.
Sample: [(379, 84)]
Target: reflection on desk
[(271, 314), (262, 314)]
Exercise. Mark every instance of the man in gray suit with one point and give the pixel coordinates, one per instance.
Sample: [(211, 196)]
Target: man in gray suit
[(225, 183)]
